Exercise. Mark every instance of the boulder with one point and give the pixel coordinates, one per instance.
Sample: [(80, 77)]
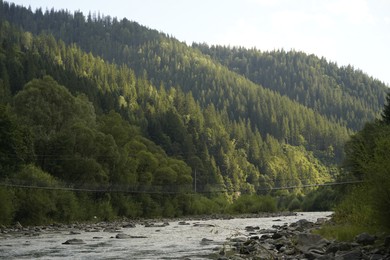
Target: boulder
[(339, 246), (183, 223), (128, 225), (203, 225), (74, 241), (365, 239), (307, 242), (205, 241), (122, 236), (348, 255), (238, 239)]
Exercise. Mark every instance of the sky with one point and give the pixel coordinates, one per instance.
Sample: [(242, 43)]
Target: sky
[(348, 32)]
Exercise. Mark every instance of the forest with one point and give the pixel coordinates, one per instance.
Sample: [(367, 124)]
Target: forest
[(105, 117)]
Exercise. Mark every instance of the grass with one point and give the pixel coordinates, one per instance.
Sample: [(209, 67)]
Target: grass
[(343, 232)]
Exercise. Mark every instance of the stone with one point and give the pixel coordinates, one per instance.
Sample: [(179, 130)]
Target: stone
[(18, 225), (365, 239), (306, 242), (74, 241), (138, 237), (122, 236), (277, 235), (238, 239), (128, 225), (348, 255), (339, 246), (387, 242), (203, 225), (205, 241), (377, 257), (251, 228)]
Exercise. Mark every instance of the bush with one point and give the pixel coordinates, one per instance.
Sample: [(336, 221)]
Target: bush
[(253, 204), (295, 204), (7, 208)]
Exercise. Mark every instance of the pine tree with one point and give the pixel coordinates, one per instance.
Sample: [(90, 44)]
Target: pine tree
[(386, 110)]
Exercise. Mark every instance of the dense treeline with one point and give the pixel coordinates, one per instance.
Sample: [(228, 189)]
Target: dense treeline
[(93, 103), (365, 206), (173, 63), (333, 91)]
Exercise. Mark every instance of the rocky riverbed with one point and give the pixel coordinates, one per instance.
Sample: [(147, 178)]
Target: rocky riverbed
[(296, 241), (263, 236)]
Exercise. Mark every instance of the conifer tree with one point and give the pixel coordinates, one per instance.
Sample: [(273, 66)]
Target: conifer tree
[(386, 110)]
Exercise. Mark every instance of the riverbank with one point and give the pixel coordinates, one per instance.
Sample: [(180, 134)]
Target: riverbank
[(20, 230), (251, 236), (298, 241), (195, 237)]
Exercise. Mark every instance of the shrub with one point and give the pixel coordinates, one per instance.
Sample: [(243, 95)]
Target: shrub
[(7, 208)]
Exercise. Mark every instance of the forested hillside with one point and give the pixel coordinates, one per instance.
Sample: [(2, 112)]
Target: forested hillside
[(344, 95), (97, 104)]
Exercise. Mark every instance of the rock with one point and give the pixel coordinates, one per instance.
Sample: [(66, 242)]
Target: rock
[(265, 237), (338, 246), (74, 241), (183, 223), (302, 224), (387, 242), (377, 257), (238, 239), (72, 232), (251, 228), (277, 235), (128, 225), (289, 251), (203, 225), (18, 225), (348, 255), (122, 236), (138, 237), (307, 242), (365, 239), (205, 241)]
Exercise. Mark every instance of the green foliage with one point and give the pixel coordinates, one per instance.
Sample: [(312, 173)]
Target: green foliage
[(294, 205), (386, 110), (253, 204), (15, 143), (35, 206), (99, 104), (368, 160), (7, 207), (345, 232), (322, 199)]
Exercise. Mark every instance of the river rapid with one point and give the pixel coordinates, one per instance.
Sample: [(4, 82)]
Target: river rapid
[(193, 239)]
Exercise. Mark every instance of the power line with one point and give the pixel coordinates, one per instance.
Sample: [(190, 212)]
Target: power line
[(165, 189)]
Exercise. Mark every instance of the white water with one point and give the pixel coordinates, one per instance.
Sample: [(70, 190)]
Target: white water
[(171, 242)]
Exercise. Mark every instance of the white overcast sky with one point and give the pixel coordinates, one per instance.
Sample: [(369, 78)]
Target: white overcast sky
[(355, 32)]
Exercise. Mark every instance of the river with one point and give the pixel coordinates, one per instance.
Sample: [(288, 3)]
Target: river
[(196, 240)]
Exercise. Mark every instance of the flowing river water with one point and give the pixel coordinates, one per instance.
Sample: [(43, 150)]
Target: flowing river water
[(195, 240)]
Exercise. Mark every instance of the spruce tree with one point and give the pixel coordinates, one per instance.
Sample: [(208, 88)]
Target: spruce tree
[(386, 110)]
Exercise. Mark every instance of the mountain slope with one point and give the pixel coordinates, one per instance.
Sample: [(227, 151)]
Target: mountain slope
[(185, 109), (343, 95)]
